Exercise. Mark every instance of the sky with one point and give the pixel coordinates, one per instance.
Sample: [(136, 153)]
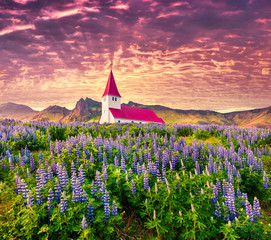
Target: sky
[(193, 54)]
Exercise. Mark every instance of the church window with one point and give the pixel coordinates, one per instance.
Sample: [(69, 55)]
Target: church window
[(119, 121), (112, 98), (115, 99)]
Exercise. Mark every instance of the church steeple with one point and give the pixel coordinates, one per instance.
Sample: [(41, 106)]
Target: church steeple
[(111, 86)]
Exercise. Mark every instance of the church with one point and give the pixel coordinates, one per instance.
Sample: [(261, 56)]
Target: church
[(114, 112)]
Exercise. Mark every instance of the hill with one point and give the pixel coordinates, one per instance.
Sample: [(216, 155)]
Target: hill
[(16, 111), (52, 113)]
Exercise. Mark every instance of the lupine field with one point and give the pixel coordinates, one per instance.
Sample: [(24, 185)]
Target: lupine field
[(91, 181)]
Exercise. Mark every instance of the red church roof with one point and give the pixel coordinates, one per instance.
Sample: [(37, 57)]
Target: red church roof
[(111, 86), (138, 114)]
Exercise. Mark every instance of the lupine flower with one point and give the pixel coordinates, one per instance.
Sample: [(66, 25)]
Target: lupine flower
[(265, 181), (114, 208), (116, 161), (50, 174), (98, 179), (122, 163), (50, 201), (84, 223), (192, 208), (90, 213), (63, 203), (93, 188), (230, 203), (30, 199), (57, 191), (217, 210), (146, 181), (11, 165), (73, 169), (84, 196), (39, 196), (249, 211), (105, 175), (133, 188), (106, 204), (256, 209), (77, 192), (81, 175)]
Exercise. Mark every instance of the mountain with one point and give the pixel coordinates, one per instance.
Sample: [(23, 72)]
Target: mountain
[(85, 110), (16, 111), (260, 118), (90, 110), (52, 113)]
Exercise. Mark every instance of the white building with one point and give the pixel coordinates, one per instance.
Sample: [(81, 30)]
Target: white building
[(114, 112)]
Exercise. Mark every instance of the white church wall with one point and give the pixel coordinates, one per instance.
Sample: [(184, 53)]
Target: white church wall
[(112, 103)]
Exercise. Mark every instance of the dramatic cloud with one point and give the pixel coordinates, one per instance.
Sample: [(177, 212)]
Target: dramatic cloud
[(205, 54)]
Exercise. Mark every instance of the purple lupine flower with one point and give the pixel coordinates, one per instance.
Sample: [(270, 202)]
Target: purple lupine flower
[(217, 210), (130, 173), (21, 160), (139, 169), (11, 165), (24, 188), (106, 202), (84, 223), (73, 180), (105, 175), (54, 166), (249, 211), (100, 155), (116, 161), (146, 181), (122, 163), (63, 203), (90, 213), (64, 178), (57, 191), (93, 188), (260, 166), (81, 175), (114, 209), (225, 187), (214, 198), (30, 199), (46, 164), (39, 196), (238, 193), (50, 201), (244, 199), (197, 167), (50, 174), (84, 196), (230, 203), (256, 209), (133, 188), (134, 163), (91, 158), (140, 157), (98, 179), (105, 159), (73, 169), (265, 181)]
